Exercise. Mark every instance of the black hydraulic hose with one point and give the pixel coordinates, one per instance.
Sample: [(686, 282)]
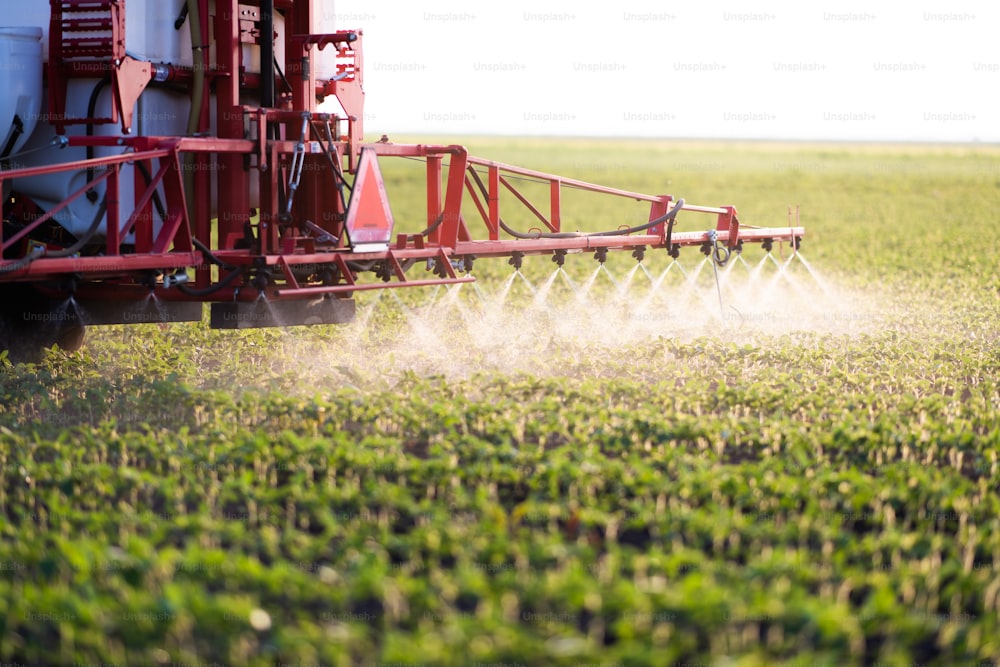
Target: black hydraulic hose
[(181, 18), (14, 136), (670, 232), (20, 263), (669, 215), (156, 194), (721, 254), (338, 174), (69, 251), (211, 258), (281, 75), (434, 225), (267, 56), (91, 110), (224, 282)]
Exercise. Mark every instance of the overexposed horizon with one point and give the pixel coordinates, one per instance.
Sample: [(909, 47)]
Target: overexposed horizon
[(712, 70)]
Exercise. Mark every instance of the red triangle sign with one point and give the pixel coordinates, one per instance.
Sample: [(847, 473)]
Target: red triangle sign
[(369, 220)]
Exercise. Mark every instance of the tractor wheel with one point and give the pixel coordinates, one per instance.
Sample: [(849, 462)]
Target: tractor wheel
[(31, 322)]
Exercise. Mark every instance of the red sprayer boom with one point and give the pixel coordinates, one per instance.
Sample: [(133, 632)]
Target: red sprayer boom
[(207, 172)]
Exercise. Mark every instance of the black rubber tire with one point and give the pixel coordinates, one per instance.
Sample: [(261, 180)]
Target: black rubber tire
[(30, 323)]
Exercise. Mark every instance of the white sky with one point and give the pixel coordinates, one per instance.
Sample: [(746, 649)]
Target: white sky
[(852, 70)]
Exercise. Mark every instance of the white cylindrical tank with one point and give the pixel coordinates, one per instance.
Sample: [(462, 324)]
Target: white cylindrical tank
[(158, 112), (324, 21), (34, 14), (21, 83), (149, 35)]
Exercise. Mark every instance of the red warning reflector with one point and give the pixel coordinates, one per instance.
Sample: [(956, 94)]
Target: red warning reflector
[(369, 220)]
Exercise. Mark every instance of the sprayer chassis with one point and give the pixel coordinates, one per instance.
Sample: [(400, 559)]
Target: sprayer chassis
[(130, 272), (312, 239)]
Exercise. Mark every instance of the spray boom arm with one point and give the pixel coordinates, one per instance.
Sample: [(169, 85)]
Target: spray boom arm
[(303, 213)]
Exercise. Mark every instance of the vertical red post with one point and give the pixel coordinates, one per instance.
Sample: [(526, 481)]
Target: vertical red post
[(202, 222), (350, 93), (316, 199), (144, 226), (728, 222), (298, 67), (232, 175), (267, 230), (113, 223), (434, 196), (494, 200), (453, 197), (658, 209), (177, 207), (555, 201)]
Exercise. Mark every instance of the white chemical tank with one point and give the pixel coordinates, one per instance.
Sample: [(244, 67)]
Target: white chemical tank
[(149, 35), (324, 21), (21, 83)]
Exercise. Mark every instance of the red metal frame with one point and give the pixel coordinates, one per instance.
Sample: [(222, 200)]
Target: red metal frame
[(76, 52), (170, 247), (299, 250)]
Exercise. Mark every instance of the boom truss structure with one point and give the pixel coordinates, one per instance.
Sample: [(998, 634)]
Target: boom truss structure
[(273, 200)]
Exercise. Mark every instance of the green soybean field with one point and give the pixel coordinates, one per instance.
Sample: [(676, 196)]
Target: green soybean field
[(551, 467)]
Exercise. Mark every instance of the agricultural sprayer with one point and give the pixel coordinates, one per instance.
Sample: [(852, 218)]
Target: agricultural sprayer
[(157, 156)]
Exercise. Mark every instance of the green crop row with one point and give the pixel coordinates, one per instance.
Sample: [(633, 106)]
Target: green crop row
[(436, 486)]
